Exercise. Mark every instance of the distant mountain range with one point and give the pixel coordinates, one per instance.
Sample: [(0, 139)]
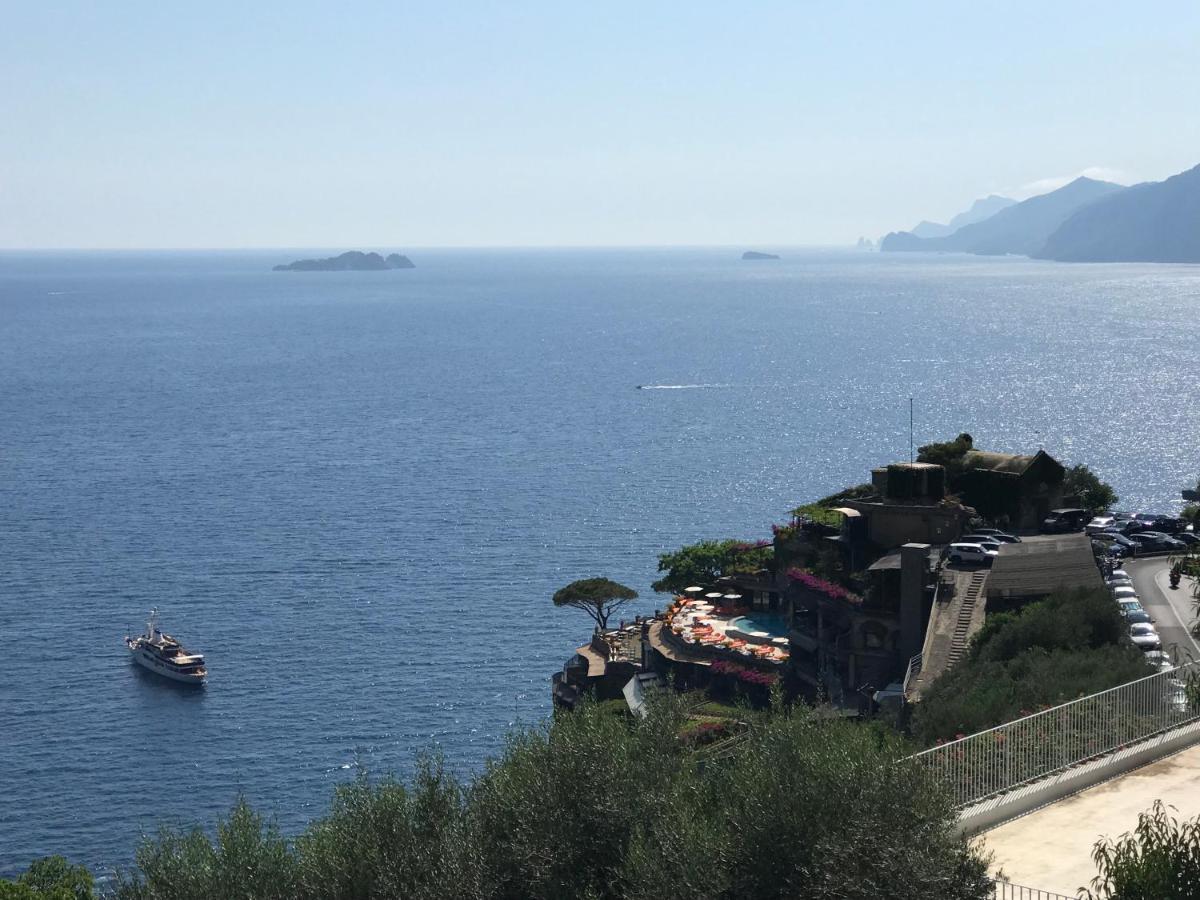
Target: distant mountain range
[(981, 209), (353, 261), (1022, 228), (1158, 221), (1085, 221)]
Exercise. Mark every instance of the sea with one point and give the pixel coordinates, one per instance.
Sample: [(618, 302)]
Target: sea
[(356, 492)]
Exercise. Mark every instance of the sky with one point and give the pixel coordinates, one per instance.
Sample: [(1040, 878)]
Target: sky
[(405, 124)]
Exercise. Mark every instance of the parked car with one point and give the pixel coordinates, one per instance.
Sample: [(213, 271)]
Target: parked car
[(1145, 637), (1128, 605), (1118, 573), (1159, 659), (970, 553), (1116, 581), (1126, 526), (1138, 617), (1002, 536), (1187, 538), (983, 540), (1098, 524), (1176, 694), (1061, 521), (1161, 523), (1118, 544), (1121, 592), (1120, 551), (1156, 542)]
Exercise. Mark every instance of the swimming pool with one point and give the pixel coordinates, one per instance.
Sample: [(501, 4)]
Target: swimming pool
[(774, 624)]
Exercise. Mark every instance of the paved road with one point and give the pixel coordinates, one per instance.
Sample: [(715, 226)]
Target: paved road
[(1170, 609)]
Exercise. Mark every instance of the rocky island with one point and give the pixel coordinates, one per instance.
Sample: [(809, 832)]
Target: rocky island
[(754, 254), (353, 261)]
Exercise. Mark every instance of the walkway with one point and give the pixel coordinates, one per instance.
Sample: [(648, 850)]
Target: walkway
[(952, 624), (1051, 847)]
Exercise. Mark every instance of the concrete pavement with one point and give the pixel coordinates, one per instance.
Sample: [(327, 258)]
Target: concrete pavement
[(1051, 847)]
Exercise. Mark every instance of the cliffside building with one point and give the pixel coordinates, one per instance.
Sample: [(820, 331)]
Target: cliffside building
[(1016, 490)]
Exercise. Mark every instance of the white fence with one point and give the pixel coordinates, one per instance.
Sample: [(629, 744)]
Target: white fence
[(1114, 729), (1004, 890)]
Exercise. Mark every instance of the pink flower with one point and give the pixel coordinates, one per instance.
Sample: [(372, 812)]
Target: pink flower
[(820, 585)]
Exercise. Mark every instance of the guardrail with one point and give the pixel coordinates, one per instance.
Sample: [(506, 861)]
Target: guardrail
[(913, 670), (1006, 890), (1048, 748)]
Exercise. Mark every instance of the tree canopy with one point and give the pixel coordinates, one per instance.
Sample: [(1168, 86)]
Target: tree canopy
[(595, 806), (598, 597), (50, 878), (1094, 494), (704, 562), (949, 455)]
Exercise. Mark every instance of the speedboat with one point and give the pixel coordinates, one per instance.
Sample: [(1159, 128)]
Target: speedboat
[(164, 655)]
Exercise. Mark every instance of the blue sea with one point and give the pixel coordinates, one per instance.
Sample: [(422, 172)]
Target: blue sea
[(356, 492)]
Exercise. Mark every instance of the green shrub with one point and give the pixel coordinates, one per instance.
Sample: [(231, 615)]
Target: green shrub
[(246, 860), (595, 806), (1160, 860), (49, 878), (1067, 646), (388, 840), (807, 807)]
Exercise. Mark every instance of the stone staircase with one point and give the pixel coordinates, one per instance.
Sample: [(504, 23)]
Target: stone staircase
[(966, 614), (959, 609)]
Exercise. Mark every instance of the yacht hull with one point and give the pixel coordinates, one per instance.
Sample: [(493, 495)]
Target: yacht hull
[(149, 661)]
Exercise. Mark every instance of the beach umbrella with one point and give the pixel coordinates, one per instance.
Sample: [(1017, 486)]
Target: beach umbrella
[(694, 589), (715, 595), (733, 597)]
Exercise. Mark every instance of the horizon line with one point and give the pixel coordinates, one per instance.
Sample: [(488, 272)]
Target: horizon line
[(416, 247)]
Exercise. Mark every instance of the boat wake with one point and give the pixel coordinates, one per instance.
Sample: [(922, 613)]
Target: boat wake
[(677, 387)]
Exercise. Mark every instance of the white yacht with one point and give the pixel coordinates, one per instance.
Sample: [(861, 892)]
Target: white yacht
[(165, 656)]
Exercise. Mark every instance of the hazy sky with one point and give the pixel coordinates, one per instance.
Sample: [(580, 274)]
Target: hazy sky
[(164, 124)]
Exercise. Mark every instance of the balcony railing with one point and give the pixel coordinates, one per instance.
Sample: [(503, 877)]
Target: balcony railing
[(996, 761), (1006, 890)]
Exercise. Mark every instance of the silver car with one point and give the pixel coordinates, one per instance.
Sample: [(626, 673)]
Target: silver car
[(1145, 637)]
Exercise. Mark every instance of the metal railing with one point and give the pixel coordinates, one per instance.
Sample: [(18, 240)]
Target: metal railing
[(913, 670), (1006, 890), (1040, 745)]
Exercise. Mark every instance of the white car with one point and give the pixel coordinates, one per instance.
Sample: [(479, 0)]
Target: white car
[(1098, 524), (1124, 591), (1118, 573), (1175, 694), (1159, 660), (971, 553), (1117, 581), (1145, 637)]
